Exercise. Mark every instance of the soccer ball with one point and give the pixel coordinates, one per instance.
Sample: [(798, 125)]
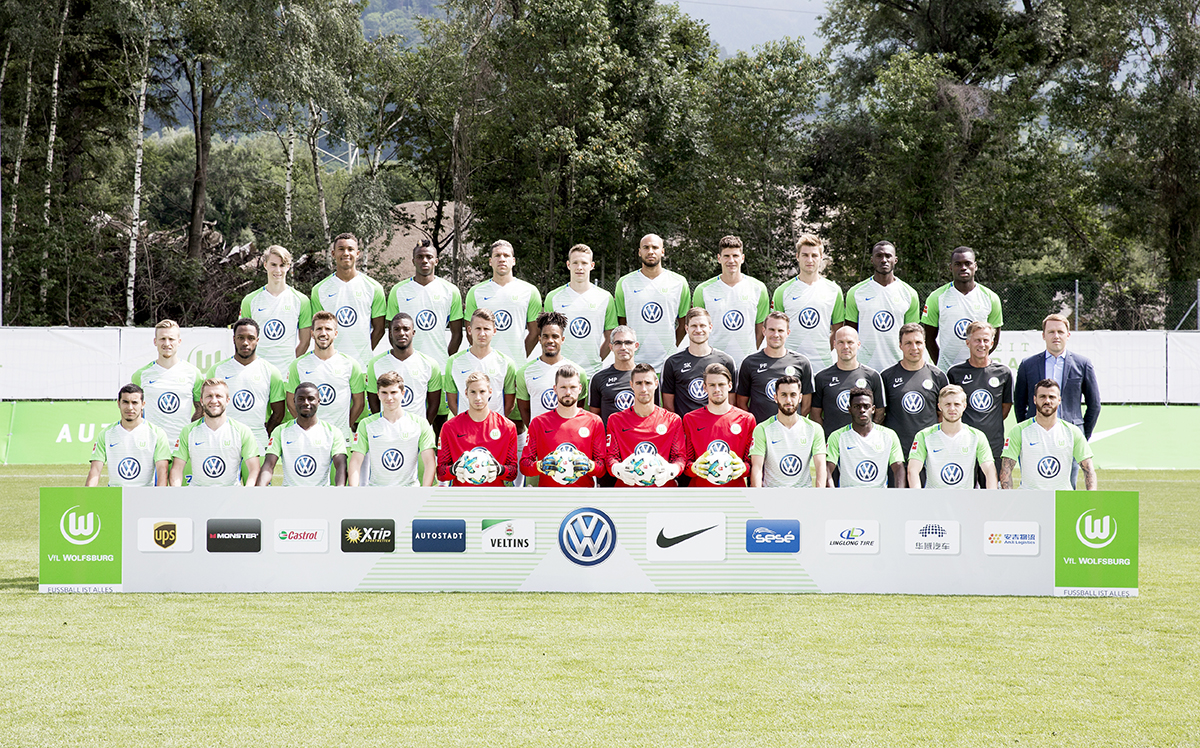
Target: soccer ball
[(477, 467), (642, 469), (719, 467), (566, 464)]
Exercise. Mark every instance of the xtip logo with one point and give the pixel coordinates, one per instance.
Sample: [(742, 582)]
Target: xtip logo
[(79, 530), (1093, 532)]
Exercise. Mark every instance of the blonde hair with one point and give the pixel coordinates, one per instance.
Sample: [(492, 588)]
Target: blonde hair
[(477, 376), (214, 383), (281, 252), (951, 389), (167, 324)]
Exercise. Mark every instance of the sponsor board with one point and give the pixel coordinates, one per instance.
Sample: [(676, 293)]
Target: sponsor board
[(772, 536), (1011, 538), (439, 535), (80, 540), (233, 535), (587, 536), (368, 535), (164, 535), (934, 537), (301, 536), (685, 536), (1096, 543), (508, 536), (852, 536)]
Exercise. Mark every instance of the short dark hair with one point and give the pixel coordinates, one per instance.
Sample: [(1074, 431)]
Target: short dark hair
[(346, 235), (730, 242), (245, 322), (425, 244), (307, 386), (861, 392), (642, 368), (551, 318), (566, 371), (788, 379), (131, 389), (911, 327), (884, 243), (1046, 384), (717, 370), (962, 251), (399, 316)]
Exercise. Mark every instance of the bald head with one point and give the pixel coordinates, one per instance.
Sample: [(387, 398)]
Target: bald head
[(845, 342)]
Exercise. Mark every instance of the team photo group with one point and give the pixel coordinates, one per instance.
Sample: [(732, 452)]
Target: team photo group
[(726, 384)]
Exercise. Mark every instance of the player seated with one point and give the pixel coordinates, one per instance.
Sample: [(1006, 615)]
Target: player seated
[(216, 445), (311, 449), (478, 446), (862, 452), (718, 436), (645, 442), (948, 451), (565, 444)]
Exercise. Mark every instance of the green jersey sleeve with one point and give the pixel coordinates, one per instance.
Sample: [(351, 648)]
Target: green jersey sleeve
[(510, 378), (435, 377), (198, 384), (764, 305), (315, 298), (306, 311), (758, 444), (378, 301), (535, 304), (337, 442), (930, 317), (162, 444), (996, 316), (246, 309), (181, 446), (1012, 442), (851, 311), (275, 443), (548, 304), (839, 309), (619, 297), (358, 381), (359, 442), (456, 305), (1083, 450), (278, 390), (832, 445), (983, 450), (610, 314), (137, 375), (777, 297), (913, 313), (372, 384), (99, 453), (249, 443), (698, 294), (818, 439), (685, 299), (393, 302), (918, 452), (426, 440), (293, 379), (470, 306), (521, 387), (897, 454)]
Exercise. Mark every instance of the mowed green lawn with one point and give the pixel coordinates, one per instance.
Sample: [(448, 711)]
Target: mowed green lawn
[(573, 670)]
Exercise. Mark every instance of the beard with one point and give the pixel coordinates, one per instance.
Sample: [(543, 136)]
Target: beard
[(214, 411), (788, 410), (567, 401)]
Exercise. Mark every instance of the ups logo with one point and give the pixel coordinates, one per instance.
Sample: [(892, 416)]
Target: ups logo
[(165, 534)]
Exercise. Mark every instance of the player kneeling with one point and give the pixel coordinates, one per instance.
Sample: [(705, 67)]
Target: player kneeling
[(645, 442), (787, 443), (948, 451), (718, 436), (472, 440), (394, 440), (565, 444)]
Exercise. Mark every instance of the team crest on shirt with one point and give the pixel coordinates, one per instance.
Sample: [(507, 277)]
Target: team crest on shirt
[(580, 327), (645, 448), (912, 402), (274, 329), (549, 400), (790, 465), (808, 318), (503, 320), (347, 316), (771, 384), (883, 321), (960, 328), (843, 401), (733, 320), (981, 400), (425, 320)]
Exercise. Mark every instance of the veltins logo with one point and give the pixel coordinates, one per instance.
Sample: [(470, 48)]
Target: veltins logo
[(685, 536), (234, 535), (78, 528), (1011, 538), (932, 537), (508, 536), (852, 536), (439, 535), (301, 536), (165, 534), (1095, 532), (772, 536), (587, 536), (1096, 543), (368, 535)]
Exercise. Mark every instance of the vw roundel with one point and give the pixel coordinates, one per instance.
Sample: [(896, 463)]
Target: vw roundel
[(960, 328), (696, 389), (168, 402), (214, 466), (326, 393), (587, 536), (843, 401), (129, 468), (733, 320), (305, 466), (981, 401), (504, 320), (1049, 467), (580, 327), (425, 320), (912, 402), (392, 459), (623, 400), (549, 400), (883, 321), (808, 318), (866, 471), (652, 312), (347, 316), (243, 400), (274, 329), (952, 474)]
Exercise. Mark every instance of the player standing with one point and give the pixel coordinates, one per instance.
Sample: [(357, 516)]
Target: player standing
[(395, 441), (478, 428), (717, 427), (949, 310), (912, 387), (948, 452), (434, 303), (760, 373), (567, 423), (1045, 445), (514, 305), (590, 310), (683, 387), (136, 452), (170, 383), (882, 303), (814, 303), (217, 446), (610, 390), (310, 448), (989, 388), (356, 299), (645, 428), (338, 377), (860, 453), (831, 387), (480, 356), (653, 301), (787, 444), (257, 387), (421, 375), (737, 302), (536, 382), (284, 315)]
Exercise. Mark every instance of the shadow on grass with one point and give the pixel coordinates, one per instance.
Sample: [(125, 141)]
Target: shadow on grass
[(19, 583)]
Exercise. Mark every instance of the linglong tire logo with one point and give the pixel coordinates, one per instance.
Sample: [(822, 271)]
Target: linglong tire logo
[(952, 474), (425, 320), (243, 400), (347, 316), (580, 328), (790, 465), (808, 318), (733, 320), (214, 467), (392, 459), (78, 530), (274, 329), (883, 321), (168, 402), (587, 536), (652, 312), (1089, 529)]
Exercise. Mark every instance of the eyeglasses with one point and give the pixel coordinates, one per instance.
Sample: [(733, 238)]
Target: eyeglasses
[(616, 343)]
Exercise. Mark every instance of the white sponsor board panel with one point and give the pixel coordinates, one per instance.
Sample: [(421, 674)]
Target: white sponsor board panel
[(59, 363), (582, 540), (1183, 366)]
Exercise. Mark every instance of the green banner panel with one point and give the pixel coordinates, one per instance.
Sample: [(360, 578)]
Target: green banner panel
[(6, 412), (1096, 543), (59, 433), (80, 540)]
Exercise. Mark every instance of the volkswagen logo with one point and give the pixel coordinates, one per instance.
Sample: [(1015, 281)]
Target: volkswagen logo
[(1048, 467), (168, 402), (274, 329), (952, 474), (843, 401), (305, 466), (912, 402), (587, 536), (580, 327), (243, 400), (866, 471), (771, 388), (981, 400), (717, 445), (129, 468), (503, 320), (214, 467), (407, 398), (392, 459), (733, 320), (883, 321), (696, 390), (326, 393), (347, 316), (808, 318), (645, 448), (652, 312), (425, 320), (790, 465), (623, 400), (960, 329), (549, 400)]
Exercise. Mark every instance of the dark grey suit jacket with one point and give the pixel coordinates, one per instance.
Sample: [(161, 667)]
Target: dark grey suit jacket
[(1079, 386)]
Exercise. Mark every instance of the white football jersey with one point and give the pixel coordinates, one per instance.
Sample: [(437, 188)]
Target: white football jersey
[(588, 314), (338, 379), (652, 307), (130, 454), (393, 449), (513, 305), (216, 455), (812, 310), (355, 302), (171, 394), (252, 389), (306, 454)]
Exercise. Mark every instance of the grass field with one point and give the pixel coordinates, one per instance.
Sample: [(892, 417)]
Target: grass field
[(625, 670)]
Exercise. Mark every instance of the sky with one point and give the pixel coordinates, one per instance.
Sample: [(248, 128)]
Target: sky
[(739, 25)]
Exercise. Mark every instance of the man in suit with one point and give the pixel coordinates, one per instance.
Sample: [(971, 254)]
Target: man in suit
[(1075, 376)]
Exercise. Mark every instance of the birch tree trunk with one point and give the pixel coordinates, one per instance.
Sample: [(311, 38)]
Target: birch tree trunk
[(136, 211), (287, 180), (12, 213), (314, 132), (43, 275)]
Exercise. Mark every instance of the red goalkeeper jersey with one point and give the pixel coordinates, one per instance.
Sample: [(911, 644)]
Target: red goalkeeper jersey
[(660, 432), (546, 432), (496, 434), (705, 432)]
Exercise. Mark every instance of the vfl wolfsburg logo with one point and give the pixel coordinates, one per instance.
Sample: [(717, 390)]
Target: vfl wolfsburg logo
[(912, 402), (981, 400), (168, 402), (580, 327), (274, 329), (392, 460), (243, 400), (652, 312), (843, 401), (866, 471), (129, 468), (347, 316), (808, 318), (624, 400), (883, 321), (733, 320), (1049, 467), (305, 466), (425, 320), (790, 465), (696, 390), (503, 320), (549, 400), (214, 467), (960, 329), (1095, 533), (952, 474), (326, 394), (78, 530)]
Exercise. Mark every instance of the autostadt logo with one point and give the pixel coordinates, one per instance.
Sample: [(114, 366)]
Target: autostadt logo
[(274, 329), (129, 468), (773, 536), (883, 321), (587, 536), (808, 318), (913, 402), (168, 402), (549, 400), (652, 312), (580, 327), (439, 535), (301, 536), (503, 320), (733, 320), (425, 320), (1095, 532), (623, 400), (214, 466), (243, 400), (347, 316), (79, 529)]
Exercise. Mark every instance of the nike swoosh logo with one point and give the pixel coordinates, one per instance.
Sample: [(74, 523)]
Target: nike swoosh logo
[(289, 441), (229, 376), (638, 290), (935, 450), (262, 309), (486, 298), (331, 295), (150, 381), (868, 298), (112, 446), (664, 542), (198, 444), (535, 378), (717, 298), (849, 447), (775, 441)]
